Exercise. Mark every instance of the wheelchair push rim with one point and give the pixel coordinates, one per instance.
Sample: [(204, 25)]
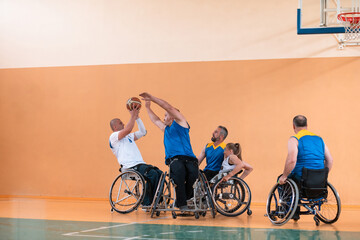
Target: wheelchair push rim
[(329, 209), (231, 198), (127, 192), (282, 202)]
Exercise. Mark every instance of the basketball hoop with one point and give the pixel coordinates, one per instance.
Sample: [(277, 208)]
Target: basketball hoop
[(351, 23)]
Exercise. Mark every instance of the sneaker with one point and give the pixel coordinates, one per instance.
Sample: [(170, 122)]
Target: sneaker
[(145, 208), (184, 208), (190, 202)]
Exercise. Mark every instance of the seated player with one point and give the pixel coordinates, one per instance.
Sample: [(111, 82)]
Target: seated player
[(122, 144), (305, 149), (232, 164), (178, 151), (214, 152)]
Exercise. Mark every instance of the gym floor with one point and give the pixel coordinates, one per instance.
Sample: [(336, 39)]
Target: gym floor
[(38, 218)]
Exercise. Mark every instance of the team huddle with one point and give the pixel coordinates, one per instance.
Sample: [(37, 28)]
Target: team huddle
[(223, 161)]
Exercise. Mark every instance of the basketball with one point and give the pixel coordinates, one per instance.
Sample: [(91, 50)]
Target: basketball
[(132, 103)]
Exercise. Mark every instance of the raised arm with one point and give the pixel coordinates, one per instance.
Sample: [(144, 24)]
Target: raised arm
[(290, 159), (179, 118), (130, 125), (153, 117), (201, 156), (142, 130)]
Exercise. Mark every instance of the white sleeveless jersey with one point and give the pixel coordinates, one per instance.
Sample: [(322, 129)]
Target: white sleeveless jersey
[(226, 167), (125, 150)]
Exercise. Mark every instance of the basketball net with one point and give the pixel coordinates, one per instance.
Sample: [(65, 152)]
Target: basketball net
[(351, 21)]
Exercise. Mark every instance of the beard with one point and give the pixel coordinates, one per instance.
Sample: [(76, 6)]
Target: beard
[(214, 139)]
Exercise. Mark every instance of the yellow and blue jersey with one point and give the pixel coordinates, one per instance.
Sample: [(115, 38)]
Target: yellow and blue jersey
[(311, 152), (214, 156)]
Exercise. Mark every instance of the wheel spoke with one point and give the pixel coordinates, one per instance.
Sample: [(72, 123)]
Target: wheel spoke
[(127, 192)]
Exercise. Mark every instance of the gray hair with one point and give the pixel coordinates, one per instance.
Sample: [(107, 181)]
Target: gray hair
[(223, 131)]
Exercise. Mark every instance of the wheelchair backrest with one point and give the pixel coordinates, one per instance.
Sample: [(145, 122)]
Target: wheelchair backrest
[(314, 183)]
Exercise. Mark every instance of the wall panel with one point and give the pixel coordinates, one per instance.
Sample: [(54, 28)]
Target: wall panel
[(55, 121)]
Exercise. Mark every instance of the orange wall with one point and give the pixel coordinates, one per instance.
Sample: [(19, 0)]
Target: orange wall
[(55, 121)]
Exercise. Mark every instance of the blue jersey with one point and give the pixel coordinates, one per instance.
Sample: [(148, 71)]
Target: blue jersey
[(214, 156), (311, 152), (177, 141)]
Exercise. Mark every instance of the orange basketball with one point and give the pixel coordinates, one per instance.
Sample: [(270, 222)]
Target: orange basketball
[(132, 103)]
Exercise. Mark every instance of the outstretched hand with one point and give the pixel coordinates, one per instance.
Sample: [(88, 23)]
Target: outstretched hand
[(135, 106), (134, 112), (146, 96)]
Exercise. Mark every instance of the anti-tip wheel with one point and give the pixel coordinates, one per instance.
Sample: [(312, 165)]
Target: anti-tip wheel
[(249, 212), (317, 221)]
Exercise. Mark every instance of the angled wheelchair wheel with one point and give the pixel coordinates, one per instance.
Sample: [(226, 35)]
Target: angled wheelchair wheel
[(127, 192), (158, 194), (208, 195), (282, 202), (231, 198), (329, 209)]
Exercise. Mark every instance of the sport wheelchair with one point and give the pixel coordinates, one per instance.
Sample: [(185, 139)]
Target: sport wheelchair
[(200, 204), (316, 195), (233, 197), (127, 191)]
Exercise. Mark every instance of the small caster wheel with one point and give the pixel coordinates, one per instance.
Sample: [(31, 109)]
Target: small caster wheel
[(213, 213), (249, 212), (203, 214), (317, 221), (173, 215), (196, 215), (157, 214), (112, 210)]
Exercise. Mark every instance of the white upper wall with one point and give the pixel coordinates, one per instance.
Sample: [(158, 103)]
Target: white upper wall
[(40, 33)]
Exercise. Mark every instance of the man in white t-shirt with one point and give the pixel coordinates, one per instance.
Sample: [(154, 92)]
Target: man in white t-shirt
[(122, 144)]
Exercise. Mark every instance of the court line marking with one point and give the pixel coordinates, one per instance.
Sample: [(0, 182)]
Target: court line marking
[(77, 234), (101, 228), (166, 233), (103, 236)]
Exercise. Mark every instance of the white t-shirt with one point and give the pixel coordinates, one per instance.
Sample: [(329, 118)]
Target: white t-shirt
[(226, 167), (125, 150)]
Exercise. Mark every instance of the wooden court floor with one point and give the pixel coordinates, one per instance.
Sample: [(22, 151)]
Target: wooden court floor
[(37, 218)]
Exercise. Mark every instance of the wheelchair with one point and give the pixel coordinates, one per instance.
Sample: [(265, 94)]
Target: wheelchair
[(231, 198), (314, 193), (127, 191), (200, 204)]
